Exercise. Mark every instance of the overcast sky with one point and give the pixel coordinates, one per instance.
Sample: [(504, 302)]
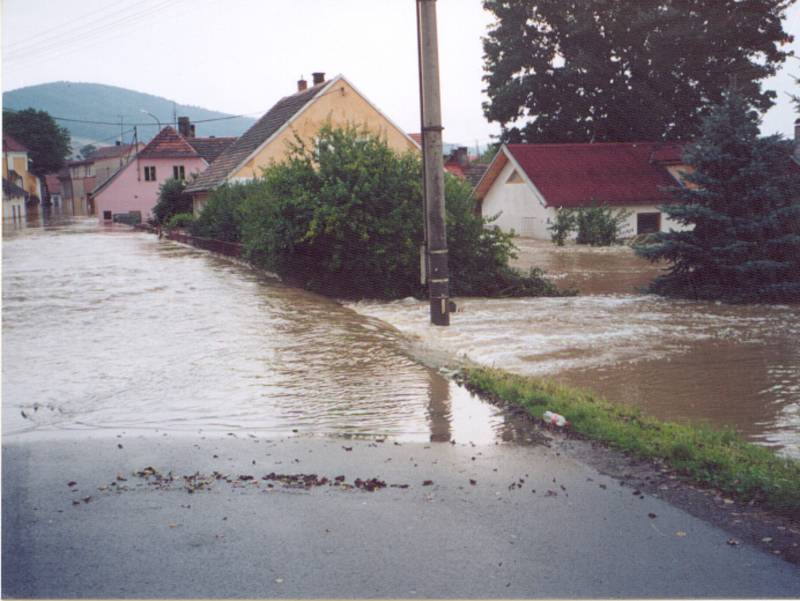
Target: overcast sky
[(240, 56)]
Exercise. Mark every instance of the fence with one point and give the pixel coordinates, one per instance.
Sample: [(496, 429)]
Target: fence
[(230, 249)]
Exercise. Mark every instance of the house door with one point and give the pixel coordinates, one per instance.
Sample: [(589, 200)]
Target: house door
[(648, 223)]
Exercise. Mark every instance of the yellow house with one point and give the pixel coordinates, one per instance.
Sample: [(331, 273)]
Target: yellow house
[(335, 101), (15, 168)]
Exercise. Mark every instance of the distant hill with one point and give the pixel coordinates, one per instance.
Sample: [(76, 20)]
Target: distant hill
[(97, 102)]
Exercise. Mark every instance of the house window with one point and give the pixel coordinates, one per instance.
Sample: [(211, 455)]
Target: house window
[(178, 172), (106, 215), (150, 174), (648, 223)]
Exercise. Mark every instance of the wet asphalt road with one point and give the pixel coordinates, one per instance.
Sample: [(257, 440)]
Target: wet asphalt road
[(580, 534)]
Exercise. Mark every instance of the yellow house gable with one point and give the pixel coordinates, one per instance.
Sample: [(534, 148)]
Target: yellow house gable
[(341, 104)]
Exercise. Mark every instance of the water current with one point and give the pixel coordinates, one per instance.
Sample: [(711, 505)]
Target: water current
[(109, 329), (105, 329), (736, 366)]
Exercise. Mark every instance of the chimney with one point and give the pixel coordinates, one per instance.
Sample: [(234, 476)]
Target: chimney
[(461, 156), (185, 127), (319, 77), (302, 85), (191, 129)]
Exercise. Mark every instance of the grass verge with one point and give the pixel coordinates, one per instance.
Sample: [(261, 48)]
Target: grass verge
[(715, 458)]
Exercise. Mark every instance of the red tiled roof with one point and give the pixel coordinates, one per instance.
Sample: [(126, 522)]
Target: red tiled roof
[(11, 145), (168, 144), (53, 183), (417, 138), (572, 175)]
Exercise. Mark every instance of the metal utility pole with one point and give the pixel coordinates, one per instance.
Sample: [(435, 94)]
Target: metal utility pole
[(438, 275)]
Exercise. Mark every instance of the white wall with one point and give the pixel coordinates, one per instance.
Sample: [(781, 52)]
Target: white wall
[(522, 209), (14, 208)]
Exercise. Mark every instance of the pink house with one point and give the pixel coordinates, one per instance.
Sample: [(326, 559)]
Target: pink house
[(134, 188)]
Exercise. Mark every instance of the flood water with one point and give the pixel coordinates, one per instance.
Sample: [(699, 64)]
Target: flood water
[(736, 366), (105, 329)]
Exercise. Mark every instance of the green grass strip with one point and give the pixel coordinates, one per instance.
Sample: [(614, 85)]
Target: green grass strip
[(713, 457)]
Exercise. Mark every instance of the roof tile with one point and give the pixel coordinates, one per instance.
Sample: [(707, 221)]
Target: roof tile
[(572, 175)]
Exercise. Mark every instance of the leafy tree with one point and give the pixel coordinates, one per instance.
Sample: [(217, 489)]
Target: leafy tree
[(221, 218), (344, 217), (624, 70), (48, 142), (171, 200), (743, 215), (88, 150)]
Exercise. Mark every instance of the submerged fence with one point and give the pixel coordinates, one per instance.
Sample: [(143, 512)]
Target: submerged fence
[(230, 249)]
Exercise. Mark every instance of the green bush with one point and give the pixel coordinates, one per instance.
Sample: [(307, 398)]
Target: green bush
[(171, 200), (179, 220), (221, 217), (344, 217), (562, 226), (596, 225), (599, 225)]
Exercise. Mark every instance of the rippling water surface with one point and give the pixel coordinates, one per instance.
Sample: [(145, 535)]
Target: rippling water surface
[(104, 328), (736, 366)]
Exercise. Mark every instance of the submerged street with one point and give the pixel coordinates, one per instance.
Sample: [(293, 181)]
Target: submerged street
[(156, 400)]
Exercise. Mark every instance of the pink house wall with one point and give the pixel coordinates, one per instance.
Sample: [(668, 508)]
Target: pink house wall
[(130, 192)]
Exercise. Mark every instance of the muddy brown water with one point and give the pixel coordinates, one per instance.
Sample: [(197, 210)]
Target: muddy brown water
[(105, 329), (735, 366)]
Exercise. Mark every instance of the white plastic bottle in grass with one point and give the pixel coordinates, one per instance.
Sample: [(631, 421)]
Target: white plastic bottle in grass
[(554, 419)]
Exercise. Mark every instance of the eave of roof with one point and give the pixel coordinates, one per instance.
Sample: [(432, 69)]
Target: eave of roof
[(267, 128)]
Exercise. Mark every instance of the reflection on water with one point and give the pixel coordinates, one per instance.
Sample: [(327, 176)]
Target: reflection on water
[(104, 328), (737, 366)]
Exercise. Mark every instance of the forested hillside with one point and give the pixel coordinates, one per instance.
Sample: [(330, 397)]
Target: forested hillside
[(97, 102)]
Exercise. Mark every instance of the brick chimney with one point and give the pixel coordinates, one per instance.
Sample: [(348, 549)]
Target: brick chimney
[(302, 85), (185, 128), (319, 77)]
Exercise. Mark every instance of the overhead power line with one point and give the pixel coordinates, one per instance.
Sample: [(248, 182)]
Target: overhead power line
[(63, 29), (90, 36), (147, 124)]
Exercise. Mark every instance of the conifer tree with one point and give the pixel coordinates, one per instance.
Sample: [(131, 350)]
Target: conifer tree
[(742, 208)]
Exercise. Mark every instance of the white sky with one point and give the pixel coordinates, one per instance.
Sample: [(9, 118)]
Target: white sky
[(240, 56)]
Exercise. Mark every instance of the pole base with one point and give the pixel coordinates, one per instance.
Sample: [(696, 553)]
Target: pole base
[(440, 311)]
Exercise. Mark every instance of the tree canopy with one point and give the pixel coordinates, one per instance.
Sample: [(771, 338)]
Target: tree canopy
[(343, 216), (48, 142), (742, 209), (625, 70)]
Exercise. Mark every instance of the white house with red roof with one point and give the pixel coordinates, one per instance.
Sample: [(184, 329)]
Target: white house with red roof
[(171, 154), (526, 183)]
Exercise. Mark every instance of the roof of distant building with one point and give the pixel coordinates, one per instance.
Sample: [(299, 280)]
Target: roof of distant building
[(11, 145), (112, 152), (53, 183), (572, 175), (168, 144), (417, 138), (210, 148)]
